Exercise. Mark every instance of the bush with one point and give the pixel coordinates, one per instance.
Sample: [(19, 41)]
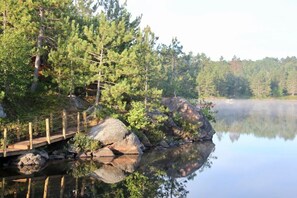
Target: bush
[(84, 143), (137, 117)]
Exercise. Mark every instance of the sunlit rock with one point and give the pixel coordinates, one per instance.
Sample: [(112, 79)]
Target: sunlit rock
[(109, 131), (104, 152), (130, 145)]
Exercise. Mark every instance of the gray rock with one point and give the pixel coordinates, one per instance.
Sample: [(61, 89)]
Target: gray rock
[(109, 131), (190, 114), (29, 159), (2, 113), (43, 154), (130, 145), (109, 174)]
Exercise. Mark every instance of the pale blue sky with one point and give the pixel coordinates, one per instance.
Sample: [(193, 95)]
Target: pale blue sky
[(249, 29)]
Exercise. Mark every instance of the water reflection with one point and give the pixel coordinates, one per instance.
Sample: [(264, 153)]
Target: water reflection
[(157, 174), (262, 118)]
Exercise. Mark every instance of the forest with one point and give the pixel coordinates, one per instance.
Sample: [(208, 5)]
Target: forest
[(61, 48)]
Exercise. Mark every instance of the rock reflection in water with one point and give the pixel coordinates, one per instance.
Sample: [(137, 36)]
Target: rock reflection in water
[(179, 161), (117, 169), (156, 175)]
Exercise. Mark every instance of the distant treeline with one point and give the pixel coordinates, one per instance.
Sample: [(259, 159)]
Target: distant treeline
[(269, 77)]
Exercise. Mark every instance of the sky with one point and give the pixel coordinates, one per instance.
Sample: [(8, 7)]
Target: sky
[(249, 29)]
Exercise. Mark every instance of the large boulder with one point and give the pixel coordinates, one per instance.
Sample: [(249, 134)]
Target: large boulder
[(129, 145), (109, 131), (190, 114)]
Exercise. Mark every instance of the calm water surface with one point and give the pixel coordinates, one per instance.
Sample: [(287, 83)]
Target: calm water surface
[(253, 154)]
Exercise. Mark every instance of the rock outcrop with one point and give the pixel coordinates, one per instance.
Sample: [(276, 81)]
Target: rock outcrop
[(189, 114), (115, 137)]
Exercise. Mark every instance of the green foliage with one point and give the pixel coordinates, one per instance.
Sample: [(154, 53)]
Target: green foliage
[(15, 73), (186, 126), (207, 110), (83, 143), (136, 184), (137, 117)]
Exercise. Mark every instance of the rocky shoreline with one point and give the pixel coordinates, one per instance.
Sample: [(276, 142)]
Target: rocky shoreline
[(116, 140)]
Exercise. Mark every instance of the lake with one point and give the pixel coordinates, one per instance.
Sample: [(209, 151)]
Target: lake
[(253, 154)]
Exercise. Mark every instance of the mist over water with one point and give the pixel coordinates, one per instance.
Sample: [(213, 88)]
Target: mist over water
[(262, 118)]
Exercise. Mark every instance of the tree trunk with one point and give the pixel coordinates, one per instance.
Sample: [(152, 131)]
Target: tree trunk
[(99, 78), (146, 86), (39, 47)]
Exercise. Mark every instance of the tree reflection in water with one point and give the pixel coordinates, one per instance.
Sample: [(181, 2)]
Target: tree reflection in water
[(262, 118), (157, 174)]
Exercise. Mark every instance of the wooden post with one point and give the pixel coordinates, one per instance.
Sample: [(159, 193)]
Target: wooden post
[(29, 188), (18, 130), (47, 130), (5, 142), (62, 186), (45, 189), (30, 136), (51, 122), (78, 122), (64, 123), (85, 121), (35, 126)]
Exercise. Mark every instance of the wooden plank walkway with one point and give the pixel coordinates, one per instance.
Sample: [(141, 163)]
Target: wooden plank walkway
[(23, 146)]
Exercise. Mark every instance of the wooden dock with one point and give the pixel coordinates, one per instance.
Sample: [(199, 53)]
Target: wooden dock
[(69, 126), (22, 147)]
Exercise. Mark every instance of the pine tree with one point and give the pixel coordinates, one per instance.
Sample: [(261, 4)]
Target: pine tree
[(14, 50)]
